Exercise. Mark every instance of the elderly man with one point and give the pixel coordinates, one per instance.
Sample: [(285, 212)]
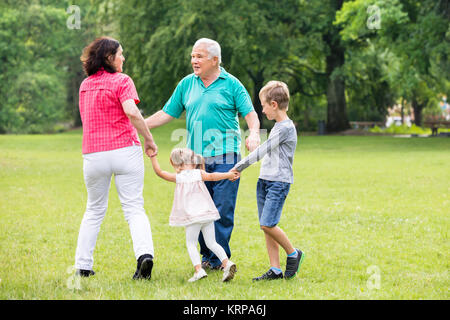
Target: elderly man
[(212, 99)]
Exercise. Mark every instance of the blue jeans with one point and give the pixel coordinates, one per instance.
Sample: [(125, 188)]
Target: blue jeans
[(270, 196), (224, 195)]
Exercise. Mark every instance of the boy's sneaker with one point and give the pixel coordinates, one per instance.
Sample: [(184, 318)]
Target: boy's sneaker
[(269, 275), (84, 273), (229, 271), (200, 274), (144, 267), (293, 265)]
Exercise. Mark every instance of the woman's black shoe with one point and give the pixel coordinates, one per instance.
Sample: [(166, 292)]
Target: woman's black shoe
[(144, 267), (84, 273)]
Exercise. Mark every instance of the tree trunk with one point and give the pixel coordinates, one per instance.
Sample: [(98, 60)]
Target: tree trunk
[(73, 96), (402, 112), (417, 109), (258, 82), (306, 117), (337, 119), (80, 77)]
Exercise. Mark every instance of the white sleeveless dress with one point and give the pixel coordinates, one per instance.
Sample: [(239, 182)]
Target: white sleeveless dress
[(192, 202)]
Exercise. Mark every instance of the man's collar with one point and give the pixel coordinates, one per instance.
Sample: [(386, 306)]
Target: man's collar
[(223, 73)]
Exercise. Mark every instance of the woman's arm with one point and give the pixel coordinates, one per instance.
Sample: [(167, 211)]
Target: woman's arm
[(172, 177), (216, 176), (136, 119)]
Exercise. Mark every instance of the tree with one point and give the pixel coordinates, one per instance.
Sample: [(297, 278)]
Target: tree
[(319, 30), (316, 65), (370, 89), (40, 70), (416, 32), (254, 36), (31, 93), (264, 33)]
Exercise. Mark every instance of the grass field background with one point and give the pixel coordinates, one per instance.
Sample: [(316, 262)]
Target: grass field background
[(371, 214)]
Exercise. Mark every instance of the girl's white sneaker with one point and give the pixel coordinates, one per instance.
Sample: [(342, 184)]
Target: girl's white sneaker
[(198, 275), (229, 271)]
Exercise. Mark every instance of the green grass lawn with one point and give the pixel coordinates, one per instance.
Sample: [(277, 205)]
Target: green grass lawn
[(371, 214)]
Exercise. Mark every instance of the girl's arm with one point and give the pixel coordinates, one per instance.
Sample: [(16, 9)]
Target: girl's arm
[(172, 177), (216, 176)]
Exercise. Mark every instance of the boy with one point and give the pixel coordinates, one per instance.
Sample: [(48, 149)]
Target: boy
[(275, 179)]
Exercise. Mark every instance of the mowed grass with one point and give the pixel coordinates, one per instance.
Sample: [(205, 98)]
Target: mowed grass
[(371, 214)]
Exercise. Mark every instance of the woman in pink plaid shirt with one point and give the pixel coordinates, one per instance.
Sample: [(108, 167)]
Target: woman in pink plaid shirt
[(111, 146)]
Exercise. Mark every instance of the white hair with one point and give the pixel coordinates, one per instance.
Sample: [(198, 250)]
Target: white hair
[(212, 47)]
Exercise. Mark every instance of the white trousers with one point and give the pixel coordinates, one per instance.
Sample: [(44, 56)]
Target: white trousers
[(209, 235), (127, 166)]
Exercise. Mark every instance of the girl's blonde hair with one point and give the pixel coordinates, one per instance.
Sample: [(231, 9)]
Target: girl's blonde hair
[(182, 156), (199, 162)]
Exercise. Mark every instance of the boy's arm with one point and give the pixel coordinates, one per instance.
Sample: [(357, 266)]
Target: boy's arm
[(216, 176), (172, 177), (259, 153)]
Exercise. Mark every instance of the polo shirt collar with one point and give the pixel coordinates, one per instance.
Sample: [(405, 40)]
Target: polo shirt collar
[(223, 74)]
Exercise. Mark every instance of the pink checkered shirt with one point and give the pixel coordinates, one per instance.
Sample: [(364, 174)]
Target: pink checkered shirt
[(105, 124)]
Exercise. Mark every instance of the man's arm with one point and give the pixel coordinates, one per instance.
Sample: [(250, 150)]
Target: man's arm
[(158, 119), (133, 113), (253, 140)]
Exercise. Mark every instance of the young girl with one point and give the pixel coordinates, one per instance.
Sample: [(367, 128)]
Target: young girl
[(194, 208)]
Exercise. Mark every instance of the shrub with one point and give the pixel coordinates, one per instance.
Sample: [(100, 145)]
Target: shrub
[(403, 129)]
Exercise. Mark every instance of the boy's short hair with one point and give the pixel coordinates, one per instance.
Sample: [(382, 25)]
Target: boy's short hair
[(277, 91)]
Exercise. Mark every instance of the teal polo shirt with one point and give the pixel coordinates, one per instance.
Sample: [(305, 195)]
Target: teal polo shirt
[(211, 113)]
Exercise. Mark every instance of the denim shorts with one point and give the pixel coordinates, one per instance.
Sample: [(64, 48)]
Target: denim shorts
[(270, 197)]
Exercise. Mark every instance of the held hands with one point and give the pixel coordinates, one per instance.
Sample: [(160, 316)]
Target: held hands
[(151, 149), (234, 175)]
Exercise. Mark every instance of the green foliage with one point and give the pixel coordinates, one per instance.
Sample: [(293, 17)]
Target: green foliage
[(306, 111), (39, 105), (416, 36), (314, 46), (358, 19), (254, 36), (32, 93), (367, 78), (39, 65)]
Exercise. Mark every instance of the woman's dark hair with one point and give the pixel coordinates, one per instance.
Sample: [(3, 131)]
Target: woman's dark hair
[(98, 55)]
